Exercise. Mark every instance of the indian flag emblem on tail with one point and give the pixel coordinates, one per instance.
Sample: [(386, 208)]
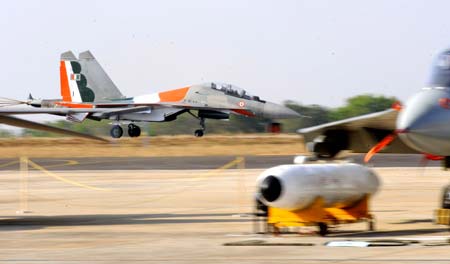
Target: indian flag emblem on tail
[(75, 77)]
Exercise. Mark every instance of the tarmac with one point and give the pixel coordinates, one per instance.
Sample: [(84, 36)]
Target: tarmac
[(70, 214), (200, 162)]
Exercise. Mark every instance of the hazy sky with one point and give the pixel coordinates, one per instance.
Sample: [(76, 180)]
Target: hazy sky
[(313, 52)]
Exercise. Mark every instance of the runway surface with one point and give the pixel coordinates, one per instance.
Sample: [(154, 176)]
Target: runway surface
[(184, 209), (186, 216), (199, 163)]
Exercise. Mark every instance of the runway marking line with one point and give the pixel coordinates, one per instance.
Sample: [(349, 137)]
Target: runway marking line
[(67, 163), (237, 161), (60, 178), (230, 164), (9, 163)]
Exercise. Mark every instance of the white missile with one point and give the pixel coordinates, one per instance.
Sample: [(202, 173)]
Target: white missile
[(295, 187)]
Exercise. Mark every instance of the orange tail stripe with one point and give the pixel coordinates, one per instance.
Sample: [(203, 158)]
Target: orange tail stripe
[(383, 143), (173, 95), (65, 90)]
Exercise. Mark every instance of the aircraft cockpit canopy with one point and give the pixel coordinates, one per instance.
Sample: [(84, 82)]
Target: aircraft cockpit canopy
[(233, 90)]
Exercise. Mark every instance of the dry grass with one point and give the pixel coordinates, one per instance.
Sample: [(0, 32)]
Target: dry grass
[(153, 146)]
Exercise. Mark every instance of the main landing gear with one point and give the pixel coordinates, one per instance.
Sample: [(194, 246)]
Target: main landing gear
[(133, 131), (116, 131)]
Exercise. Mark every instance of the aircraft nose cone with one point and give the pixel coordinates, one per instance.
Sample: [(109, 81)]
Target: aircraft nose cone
[(423, 123), (272, 110)]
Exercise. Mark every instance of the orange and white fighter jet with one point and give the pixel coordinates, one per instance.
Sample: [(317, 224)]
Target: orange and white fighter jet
[(88, 92)]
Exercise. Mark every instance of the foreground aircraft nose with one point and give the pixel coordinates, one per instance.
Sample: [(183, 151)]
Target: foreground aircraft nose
[(272, 110), (423, 123)]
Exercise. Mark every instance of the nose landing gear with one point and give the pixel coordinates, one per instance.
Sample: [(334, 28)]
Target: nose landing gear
[(200, 132)]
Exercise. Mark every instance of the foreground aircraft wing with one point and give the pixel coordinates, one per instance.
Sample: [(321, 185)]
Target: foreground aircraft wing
[(70, 110), (13, 121), (380, 120), (42, 110), (358, 134)]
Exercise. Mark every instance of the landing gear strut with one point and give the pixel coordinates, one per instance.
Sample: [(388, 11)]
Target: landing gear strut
[(133, 130), (323, 229), (116, 131), (199, 132)]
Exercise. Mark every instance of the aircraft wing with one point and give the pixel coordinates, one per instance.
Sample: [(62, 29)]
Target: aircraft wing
[(70, 110), (13, 121), (107, 110), (358, 134), (43, 110)]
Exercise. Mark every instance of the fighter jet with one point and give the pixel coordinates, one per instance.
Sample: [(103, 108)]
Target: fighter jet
[(422, 124), (88, 93)]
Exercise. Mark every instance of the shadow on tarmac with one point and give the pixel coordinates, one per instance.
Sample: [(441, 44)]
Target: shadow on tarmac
[(39, 222), (414, 221), (391, 233)]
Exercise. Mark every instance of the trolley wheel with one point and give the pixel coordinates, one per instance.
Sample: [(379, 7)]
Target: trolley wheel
[(371, 224), (323, 229), (446, 197)]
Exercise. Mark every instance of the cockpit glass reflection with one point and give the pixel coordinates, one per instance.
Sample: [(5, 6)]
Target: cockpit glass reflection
[(235, 91)]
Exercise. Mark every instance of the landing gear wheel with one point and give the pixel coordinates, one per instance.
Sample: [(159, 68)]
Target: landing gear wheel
[(116, 131), (198, 133), (133, 130), (323, 229)]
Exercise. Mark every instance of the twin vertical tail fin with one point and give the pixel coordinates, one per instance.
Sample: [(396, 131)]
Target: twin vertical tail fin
[(68, 73), (84, 80)]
